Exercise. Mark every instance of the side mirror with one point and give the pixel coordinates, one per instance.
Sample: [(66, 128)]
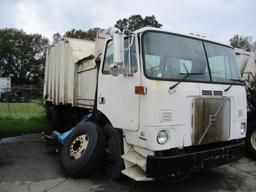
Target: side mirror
[(114, 69), (118, 48)]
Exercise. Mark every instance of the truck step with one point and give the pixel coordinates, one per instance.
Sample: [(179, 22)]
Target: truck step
[(135, 158), (136, 173)]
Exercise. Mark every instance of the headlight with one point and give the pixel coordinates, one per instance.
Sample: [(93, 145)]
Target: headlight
[(162, 137), (243, 129)]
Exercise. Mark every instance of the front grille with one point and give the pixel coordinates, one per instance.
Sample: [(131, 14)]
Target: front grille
[(204, 110)]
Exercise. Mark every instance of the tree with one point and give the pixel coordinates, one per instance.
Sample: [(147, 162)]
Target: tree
[(79, 34), (82, 34), (245, 43), (56, 37), (91, 33), (22, 56), (135, 22)]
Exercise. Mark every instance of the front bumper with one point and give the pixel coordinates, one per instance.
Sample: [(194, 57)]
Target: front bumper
[(194, 158)]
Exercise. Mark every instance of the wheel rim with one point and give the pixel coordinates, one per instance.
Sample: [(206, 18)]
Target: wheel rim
[(78, 146), (253, 140)]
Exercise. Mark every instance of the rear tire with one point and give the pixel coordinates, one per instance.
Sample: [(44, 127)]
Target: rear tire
[(113, 163), (251, 139), (83, 150)]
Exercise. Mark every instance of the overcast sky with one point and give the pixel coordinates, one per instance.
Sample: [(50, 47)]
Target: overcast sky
[(216, 19)]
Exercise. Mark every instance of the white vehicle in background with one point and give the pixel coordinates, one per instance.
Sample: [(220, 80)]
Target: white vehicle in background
[(247, 63), (148, 104), (5, 86)]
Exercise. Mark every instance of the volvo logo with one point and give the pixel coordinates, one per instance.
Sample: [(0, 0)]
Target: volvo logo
[(212, 120)]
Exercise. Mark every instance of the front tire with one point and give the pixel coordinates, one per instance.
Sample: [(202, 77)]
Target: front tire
[(113, 162), (83, 150)]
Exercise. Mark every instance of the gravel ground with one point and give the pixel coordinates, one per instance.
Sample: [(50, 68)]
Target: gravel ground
[(27, 165)]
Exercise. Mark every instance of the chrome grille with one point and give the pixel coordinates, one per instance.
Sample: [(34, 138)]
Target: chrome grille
[(204, 116)]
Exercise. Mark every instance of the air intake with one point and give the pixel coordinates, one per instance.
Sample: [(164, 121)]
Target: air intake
[(207, 92), (217, 93)]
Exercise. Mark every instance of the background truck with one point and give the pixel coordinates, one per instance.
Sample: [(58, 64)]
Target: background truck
[(247, 63), (5, 85), (148, 104)]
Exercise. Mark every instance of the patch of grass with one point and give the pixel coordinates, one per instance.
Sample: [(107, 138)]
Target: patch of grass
[(20, 118), (21, 110), (18, 126)]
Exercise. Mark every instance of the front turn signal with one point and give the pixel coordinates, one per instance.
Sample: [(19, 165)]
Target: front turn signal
[(140, 90)]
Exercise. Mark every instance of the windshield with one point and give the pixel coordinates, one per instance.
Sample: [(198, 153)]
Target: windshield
[(222, 63), (173, 57)]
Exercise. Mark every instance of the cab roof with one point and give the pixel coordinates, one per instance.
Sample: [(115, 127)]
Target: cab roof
[(194, 36)]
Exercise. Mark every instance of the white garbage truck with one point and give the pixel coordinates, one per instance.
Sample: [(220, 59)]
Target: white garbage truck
[(148, 104), (247, 63)]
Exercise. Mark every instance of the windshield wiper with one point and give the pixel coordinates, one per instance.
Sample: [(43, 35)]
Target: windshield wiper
[(242, 82), (229, 87), (187, 75), (238, 80)]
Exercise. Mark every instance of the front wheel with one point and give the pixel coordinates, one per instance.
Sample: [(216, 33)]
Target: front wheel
[(251, 139), (113, 162), (83, 150)]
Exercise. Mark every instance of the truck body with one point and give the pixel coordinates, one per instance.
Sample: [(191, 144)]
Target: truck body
[(177, 99), (247, 63), (61, 86)]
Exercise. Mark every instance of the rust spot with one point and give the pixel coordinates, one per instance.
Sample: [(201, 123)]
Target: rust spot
[(158, 84)]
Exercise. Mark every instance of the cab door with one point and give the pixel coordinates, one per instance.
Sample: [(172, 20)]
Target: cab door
[(116, 94)]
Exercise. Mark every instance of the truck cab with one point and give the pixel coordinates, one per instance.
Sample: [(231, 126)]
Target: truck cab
[(192, 94)]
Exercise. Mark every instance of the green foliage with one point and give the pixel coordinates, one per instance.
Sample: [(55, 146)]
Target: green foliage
[(82, 34), (132, 23), (245, 43), (135, 22), (22, 56)]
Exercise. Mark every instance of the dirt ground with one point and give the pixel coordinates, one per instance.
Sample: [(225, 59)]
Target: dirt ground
[(27, 165)]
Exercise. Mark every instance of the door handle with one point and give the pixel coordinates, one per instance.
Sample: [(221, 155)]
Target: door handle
[(101, 100)]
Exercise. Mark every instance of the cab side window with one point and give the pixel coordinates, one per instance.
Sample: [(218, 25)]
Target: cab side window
[(108, 60), (130, 60)]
